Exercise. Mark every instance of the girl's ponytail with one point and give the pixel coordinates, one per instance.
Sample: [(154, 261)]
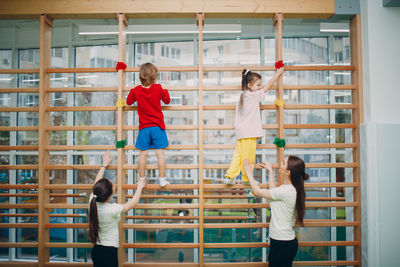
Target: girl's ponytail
[(93, 221), (102, 190), (297, 168), (247, 77), (245, 81)]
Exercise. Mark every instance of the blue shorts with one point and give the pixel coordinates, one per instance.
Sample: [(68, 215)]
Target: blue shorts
[(151, 137)]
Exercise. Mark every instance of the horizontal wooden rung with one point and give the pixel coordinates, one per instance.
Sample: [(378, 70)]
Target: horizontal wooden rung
[(80, 70), (67, 245), (301, 244), (158, 187), (144, 217), (307, 223), (18, 214), (177, 107), (263, 264), (287, 68), (267, 205), (164, 196), (161, 226), (18, 245), (19, 186), (128, 226), (308, 165), (176, 127), (19, 90), (82, 128), (161, 245), (29, 148), (168, 68), (167, 127), (220, 88), (19, 206), (18, 128), (306, 185), (272, 146), (18, 71), (19, 109), (18, 225), (81, 89), (138, 206)]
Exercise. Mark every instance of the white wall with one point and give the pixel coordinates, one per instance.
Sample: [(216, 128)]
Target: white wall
[(381, 57), (380, 134)]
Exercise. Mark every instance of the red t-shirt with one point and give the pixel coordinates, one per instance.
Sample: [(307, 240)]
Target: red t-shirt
[(149, 104)]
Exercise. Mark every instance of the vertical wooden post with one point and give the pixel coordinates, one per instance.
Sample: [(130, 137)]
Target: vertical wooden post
[(357, 115), (44, 101), (200, 24), (280, 153), (122, 27)]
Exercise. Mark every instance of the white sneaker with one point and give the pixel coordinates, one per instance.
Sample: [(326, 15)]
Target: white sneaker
[(229, 181), (164, 182), (249, 193)]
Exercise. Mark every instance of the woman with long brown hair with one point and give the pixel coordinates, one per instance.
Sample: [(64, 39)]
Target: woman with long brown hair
[(104, 217), (287, 207)]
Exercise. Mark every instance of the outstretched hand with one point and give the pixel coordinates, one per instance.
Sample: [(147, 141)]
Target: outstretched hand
[(141, 183), (266, 165), (107, 158), (248, 169), (280, 71)]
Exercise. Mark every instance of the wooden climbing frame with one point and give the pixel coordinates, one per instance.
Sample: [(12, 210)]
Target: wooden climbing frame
[(44, 186)]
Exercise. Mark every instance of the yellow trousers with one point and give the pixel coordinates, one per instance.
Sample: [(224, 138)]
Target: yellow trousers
[(245, 149)]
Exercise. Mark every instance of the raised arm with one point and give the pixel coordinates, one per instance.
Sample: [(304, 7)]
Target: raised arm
[(165, 96), (107, 158), (273, 79), (271, 180), (131, 97), (254, 185), (136, 197)]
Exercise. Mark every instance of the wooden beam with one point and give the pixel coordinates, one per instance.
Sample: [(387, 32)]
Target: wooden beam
[(44, 137), (301, 244), (122, 28), (18, 71), (357, 116), (162, 264), (200, 25), (18, 264), (23, 9)]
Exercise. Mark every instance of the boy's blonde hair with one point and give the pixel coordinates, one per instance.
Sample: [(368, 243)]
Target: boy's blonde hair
[(148, 74)]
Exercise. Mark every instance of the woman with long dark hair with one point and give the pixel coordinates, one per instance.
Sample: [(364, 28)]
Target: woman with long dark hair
[(104, 217), (287, 207)]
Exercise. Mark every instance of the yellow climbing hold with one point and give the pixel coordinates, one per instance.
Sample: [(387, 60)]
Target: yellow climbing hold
[(279, 102), (121, 103)]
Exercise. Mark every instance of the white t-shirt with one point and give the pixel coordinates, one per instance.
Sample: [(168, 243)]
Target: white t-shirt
[(283, 212), (248, 122), (109, 216)]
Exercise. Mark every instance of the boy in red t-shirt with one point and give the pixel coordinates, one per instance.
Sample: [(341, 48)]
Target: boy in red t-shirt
[(151, 119)]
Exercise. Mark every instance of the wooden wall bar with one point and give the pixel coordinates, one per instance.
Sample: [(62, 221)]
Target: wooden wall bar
[(357, 115), (200, 24), (202, 192), (172, 8), (44, 138)]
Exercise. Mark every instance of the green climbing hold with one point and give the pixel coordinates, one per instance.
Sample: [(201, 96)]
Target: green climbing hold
[(279, 142), (121, 144)]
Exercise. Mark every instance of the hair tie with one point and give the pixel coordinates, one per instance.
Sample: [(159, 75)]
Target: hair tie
[(247, 72), (94, 196)]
